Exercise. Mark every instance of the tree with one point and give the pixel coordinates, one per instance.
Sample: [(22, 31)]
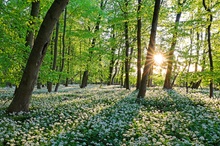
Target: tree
[(63, 50), (208, 9), (49, 83), (22, 95), (112, 61), (127, 66), (35, 8), (93, 44), (34, 13), (189, 59), (150, 51), (138, 46), (167, 82)]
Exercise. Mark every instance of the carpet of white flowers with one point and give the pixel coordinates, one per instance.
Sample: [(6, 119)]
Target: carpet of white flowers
[(110, 116)]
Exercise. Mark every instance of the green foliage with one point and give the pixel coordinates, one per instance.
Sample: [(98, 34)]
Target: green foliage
[(13, 53), (82, 18)]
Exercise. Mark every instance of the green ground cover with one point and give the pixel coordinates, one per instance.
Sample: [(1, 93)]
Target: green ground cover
[(110, 116)]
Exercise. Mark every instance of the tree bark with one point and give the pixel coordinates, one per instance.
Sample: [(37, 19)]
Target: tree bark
[(167, 82), (111, 67), (150, 78), (63, 50), (115, 73), (195, 85), (138, 46), (127, 68), (122, 74), (149, 58), (68, 65), (22, 95), (207, 8), (50, 84), (84, 80), (190, 60), (34, 13), (35, 8), (112, 61)]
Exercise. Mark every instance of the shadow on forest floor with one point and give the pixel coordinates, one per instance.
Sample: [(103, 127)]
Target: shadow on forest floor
[(110, 116), (107, 126), (188, 119), (80, 117)]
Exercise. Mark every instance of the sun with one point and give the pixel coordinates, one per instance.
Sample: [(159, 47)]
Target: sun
[(158, 59)]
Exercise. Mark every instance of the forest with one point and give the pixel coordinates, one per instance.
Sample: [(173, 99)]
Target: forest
[(110, 72)]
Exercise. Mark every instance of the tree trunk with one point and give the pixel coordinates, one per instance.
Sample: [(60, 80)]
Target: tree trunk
[(195, 85), (68, 65), (138, 46), (190, 60), (34, 13), (102, 6), (22, 95), (116, 71), (84, 79), (167, 82), (111, 67), (63, 50), (127, 68), (38, 85), (176, 74), (112, 62), (197, 52), (50, 84), (151, 48), (122, 74), (150, 78), (207, 8), (117, 67), (35, 8)]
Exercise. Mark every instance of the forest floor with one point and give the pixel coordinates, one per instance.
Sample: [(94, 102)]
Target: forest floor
[(109, 115)]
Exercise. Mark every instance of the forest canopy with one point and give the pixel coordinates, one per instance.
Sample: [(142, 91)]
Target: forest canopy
[(96, 42)]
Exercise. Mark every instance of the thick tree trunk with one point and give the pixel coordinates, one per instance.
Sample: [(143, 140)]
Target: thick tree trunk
[(149, 58), (35, 8), (22, 95), (167, 82), (138, 46)]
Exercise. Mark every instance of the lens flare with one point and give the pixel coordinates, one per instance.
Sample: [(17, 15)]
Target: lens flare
[(158, 59)]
